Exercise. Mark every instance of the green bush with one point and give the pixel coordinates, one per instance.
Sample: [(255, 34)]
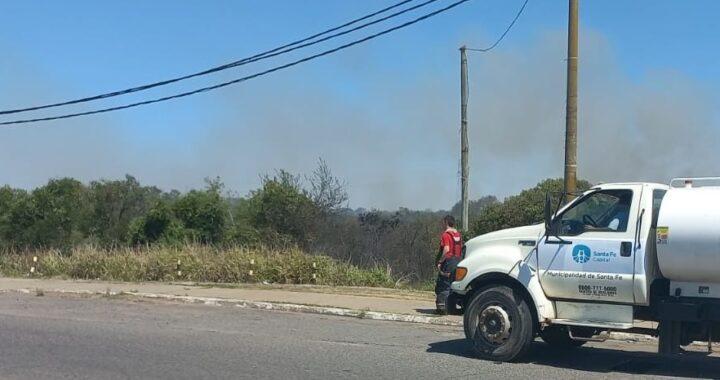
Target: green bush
[(520, 210), (159, 226), (203, 214)]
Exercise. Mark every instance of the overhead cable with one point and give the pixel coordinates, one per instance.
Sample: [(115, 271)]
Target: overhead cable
[(497, 42), (243, 79), (292, 46)]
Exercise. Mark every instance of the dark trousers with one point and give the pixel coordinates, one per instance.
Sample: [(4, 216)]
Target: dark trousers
[(442, 284)]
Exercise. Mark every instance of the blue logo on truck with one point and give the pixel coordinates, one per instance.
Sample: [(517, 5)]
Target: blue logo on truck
[(581, 254)]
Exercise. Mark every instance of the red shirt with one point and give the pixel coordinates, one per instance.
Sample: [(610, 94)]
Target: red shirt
[(453, 240)]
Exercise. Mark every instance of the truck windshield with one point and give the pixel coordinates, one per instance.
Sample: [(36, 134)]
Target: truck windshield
[(606, 210)]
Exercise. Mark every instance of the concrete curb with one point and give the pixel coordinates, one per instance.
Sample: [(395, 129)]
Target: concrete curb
[(290, 307), (245, 304), (628, 337)]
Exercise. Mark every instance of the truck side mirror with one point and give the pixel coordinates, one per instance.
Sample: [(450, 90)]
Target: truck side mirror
[(548, 214)]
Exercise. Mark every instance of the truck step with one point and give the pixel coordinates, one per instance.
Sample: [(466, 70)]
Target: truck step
[(599, 324)]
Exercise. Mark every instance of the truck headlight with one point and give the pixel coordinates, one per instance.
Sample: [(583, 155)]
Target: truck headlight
[(460, 273)]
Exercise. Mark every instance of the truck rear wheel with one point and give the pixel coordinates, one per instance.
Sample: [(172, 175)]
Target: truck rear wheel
[(499, 324), (558, 336)]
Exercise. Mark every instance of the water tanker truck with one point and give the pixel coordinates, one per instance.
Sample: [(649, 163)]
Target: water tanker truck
[(617, 254)]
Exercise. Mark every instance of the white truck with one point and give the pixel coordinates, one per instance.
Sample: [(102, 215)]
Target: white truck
[(617, 254)]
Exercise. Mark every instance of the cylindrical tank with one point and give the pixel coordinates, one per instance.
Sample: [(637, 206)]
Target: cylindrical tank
[(688, 234)]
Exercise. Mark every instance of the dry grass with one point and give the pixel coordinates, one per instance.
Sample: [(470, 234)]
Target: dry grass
[(199, 264)]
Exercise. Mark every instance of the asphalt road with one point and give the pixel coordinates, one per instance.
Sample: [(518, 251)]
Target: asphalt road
[(52, 337)]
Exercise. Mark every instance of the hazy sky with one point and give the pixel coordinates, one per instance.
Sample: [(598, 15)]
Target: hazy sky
[(384, 115)]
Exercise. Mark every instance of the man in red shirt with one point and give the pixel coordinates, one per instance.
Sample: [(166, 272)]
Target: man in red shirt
[(450, 254)]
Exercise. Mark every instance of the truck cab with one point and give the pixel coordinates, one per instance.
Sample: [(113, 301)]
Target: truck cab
[(590, 267)]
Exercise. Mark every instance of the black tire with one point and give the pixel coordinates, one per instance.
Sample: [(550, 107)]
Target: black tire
[(499, 324), (558, 336)]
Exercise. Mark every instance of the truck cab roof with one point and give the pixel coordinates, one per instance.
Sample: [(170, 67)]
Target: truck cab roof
[(615, 185)]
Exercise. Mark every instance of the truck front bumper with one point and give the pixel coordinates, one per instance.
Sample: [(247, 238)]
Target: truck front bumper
[(458, 287), (456, 300)]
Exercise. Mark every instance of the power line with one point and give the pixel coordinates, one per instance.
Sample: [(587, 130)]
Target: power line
[(257, 57), (243, 79), (517, 16)]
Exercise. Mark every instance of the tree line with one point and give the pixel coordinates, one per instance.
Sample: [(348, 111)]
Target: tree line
[(287, 210)]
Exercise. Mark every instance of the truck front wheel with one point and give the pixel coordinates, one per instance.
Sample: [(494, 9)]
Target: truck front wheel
[(499, 324)]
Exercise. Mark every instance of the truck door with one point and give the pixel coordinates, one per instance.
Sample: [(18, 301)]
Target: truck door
[(590, 256)]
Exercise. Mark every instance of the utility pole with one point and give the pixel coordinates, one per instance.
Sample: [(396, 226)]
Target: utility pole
[(571, 111), (464, 136)]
